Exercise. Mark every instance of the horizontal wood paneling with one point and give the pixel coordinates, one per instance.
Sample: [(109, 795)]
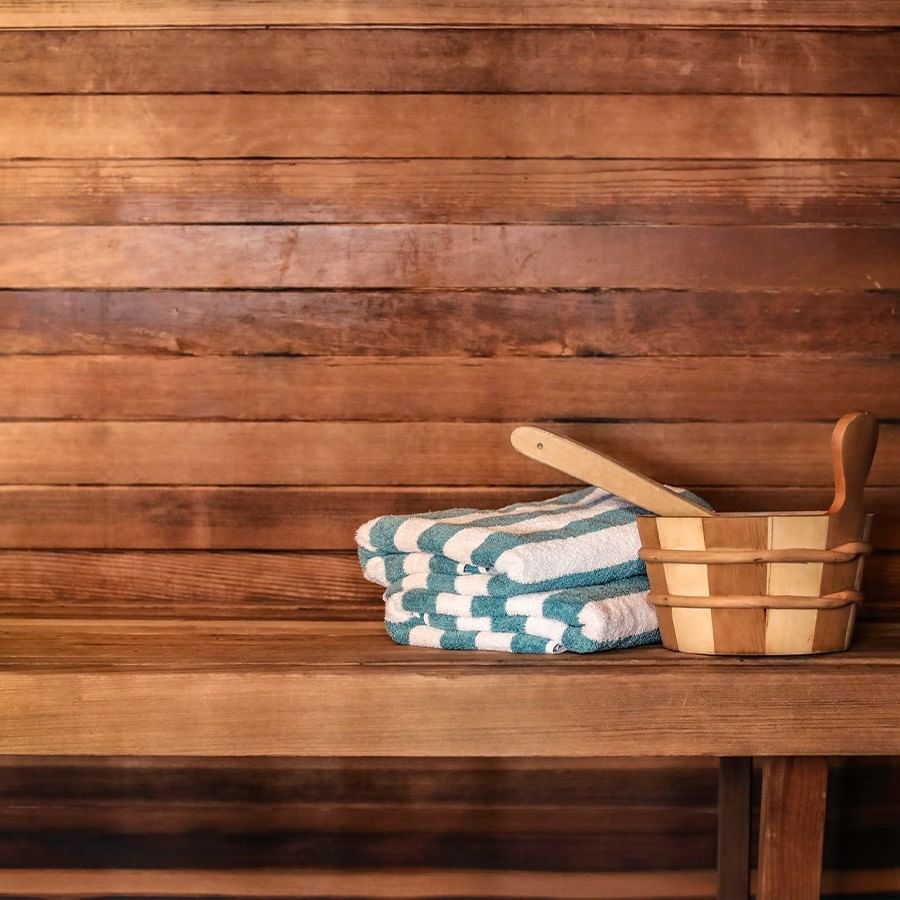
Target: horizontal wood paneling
[(436, 389), (350, 832), (458, 453), (209, 518), (228, 518), (451, 256), (653, 60), (140, 588), (550, 783), (391, 125), (194, 584), (881, 582), (58, 13), (417, 837), (265, 812), (408, 849), (451, 323), (449, 190), (234, 585)]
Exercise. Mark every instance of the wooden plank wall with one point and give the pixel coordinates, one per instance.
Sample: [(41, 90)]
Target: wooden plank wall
[(270, 268)]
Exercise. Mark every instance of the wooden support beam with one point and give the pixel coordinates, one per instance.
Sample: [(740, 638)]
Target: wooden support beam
[(733, 864), (792, 825)]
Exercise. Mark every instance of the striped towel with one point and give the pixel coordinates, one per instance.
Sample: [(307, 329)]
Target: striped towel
[(544, 577), (582, 538), (582, 620)]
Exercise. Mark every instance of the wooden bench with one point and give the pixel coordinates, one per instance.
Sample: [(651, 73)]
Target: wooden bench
[(319, 688)]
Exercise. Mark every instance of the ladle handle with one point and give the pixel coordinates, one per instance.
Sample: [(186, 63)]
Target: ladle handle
[(853, 443), (595, 468)]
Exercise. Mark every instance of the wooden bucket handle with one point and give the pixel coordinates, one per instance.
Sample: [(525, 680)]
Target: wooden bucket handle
[(853, 443)]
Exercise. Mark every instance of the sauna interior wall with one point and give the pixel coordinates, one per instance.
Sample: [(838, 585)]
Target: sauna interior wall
[(270, 269)]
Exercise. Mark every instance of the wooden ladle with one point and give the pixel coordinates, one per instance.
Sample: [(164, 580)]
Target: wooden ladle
[(596, 468)]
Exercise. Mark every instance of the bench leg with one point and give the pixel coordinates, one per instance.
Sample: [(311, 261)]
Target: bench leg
[(792, 827), (733, 864)]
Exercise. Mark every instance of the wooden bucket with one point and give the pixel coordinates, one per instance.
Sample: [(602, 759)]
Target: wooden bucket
[(771, 583)]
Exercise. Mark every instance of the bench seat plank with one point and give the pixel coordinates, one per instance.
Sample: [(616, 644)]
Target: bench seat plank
[(191, 687)]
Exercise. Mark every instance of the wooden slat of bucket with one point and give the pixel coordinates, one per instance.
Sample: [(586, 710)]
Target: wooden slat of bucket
[(841, 576), (647, 528), (692, 626), (798, 579), (857, 582), (693, 629), (790, 630), (684, 534), (667, 627), (851, 621), (831, 631), (739, 630), (743, 534)]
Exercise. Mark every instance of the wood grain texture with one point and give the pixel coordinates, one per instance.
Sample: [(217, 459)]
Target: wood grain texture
[(337, 696), (354, 839), (268, 885), (197, 518), (713, 192), (293, 883), (592, 466), (208, 518), (743, 628), (792, 823), (451, 323), (326, 453), (58, 13), (651, 60), (259, 585), (270, 835), (449, 256), (139, 637), (834, 629), (881, 578), (735, 579), (437, 389), (135, 805), (734, 819), (351, 835), (193, 584), (413, 125), (552, 784)]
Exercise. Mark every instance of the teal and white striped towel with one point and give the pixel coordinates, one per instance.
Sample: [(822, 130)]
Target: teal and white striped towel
[(543, 577), (586, 537), (581, 620)]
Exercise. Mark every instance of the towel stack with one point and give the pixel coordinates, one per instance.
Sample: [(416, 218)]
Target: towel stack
[(544, 577)]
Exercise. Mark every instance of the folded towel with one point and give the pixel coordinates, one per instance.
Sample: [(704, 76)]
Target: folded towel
[(544, 577), (582, 538), (566, 606), (581, 620)]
